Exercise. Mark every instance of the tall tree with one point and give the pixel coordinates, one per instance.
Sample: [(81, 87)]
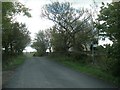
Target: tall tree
[(66, 20), (109, 26), (15, 35)]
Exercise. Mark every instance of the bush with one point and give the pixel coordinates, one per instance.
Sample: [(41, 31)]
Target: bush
[(73, 56)]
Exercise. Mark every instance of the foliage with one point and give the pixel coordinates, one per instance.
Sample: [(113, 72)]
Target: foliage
[(109, 18), (40, 43), (85, 68), (15, 36), (70, 23), (47, 34), (14, 62), (58, 41), (109, 25)]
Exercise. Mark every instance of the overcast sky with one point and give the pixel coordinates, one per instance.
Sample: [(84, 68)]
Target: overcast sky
[(36, 23)]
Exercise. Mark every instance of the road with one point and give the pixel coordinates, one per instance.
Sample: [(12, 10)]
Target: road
[(39, 72)]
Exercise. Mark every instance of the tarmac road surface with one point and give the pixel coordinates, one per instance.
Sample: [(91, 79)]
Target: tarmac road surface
[(39, 72)]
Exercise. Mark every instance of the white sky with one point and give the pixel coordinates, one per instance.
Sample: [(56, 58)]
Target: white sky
[(36, 23)]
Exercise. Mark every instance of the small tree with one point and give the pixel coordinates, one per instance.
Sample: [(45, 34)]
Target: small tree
[(40, 43)]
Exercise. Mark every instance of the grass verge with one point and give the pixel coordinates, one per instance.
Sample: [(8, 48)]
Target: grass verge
[(13, 62), (86, 68)]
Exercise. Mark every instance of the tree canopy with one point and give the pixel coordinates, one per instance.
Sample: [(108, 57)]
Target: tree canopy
[(15, 36), (69, 22), (109, 26), (40, 43)]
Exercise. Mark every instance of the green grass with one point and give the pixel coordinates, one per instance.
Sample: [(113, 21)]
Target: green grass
[(87, 68), (14, 62)]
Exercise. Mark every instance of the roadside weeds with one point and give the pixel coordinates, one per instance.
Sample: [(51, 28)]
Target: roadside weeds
[(87, 69), (9, 69)]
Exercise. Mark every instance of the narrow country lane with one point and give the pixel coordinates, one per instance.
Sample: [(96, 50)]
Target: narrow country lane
[(39, 72)]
